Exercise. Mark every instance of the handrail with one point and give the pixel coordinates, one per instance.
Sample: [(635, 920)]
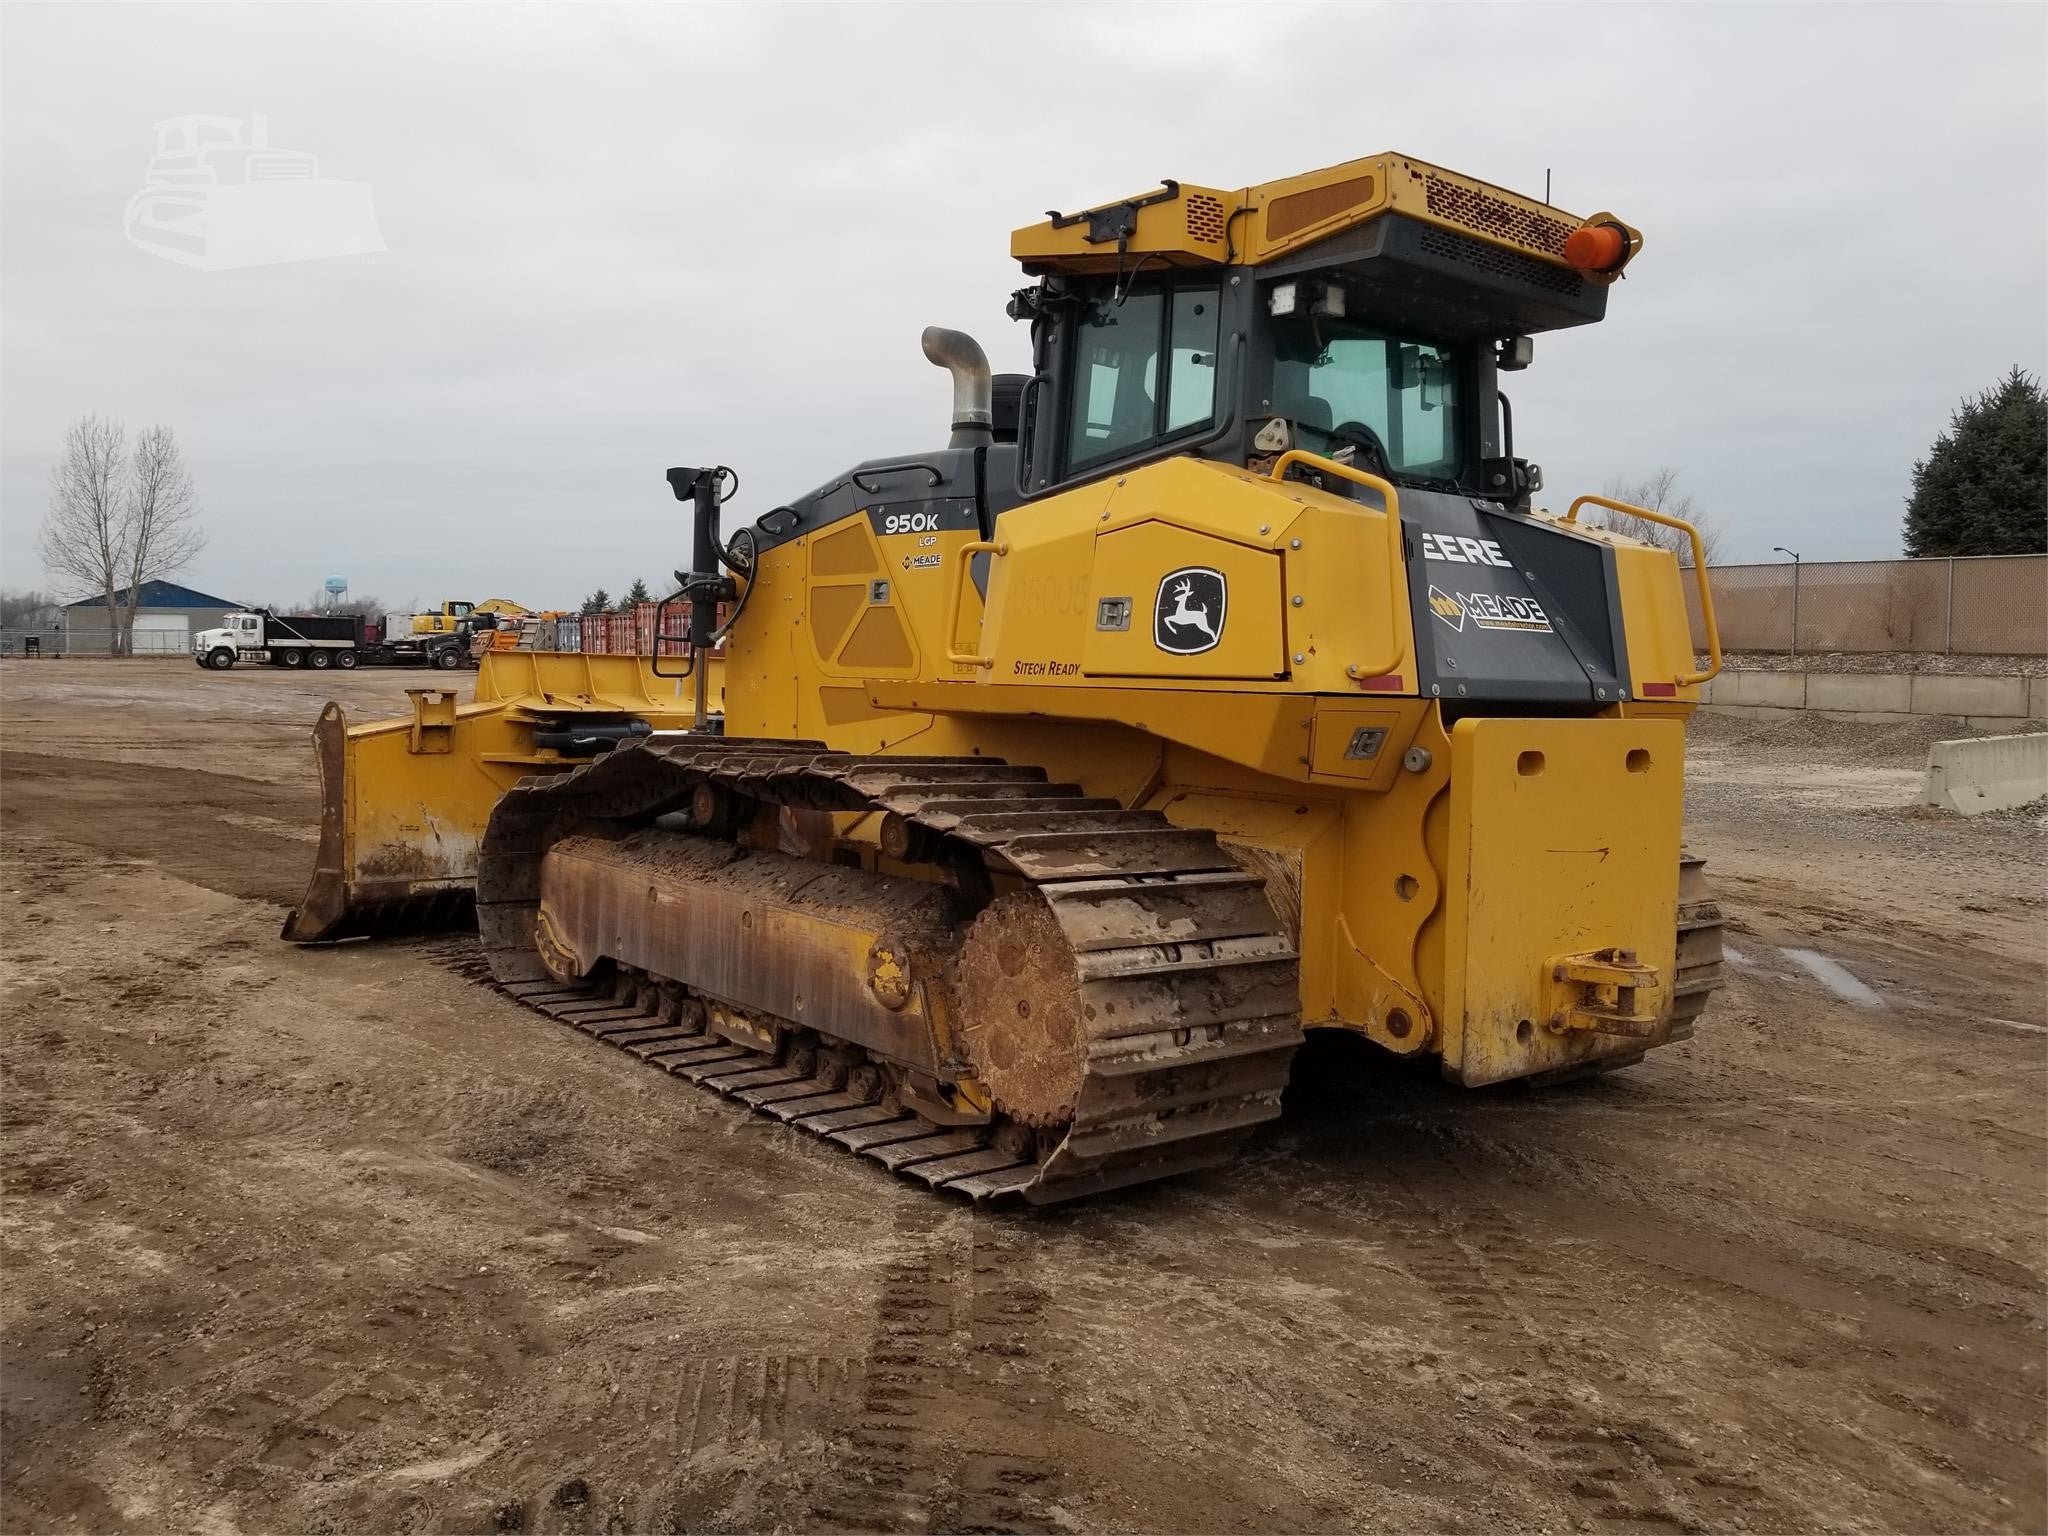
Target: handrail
[(1686, 679), (1397, 640), (962, 577), (875, 472)]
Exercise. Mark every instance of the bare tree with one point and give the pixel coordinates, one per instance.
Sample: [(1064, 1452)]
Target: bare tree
[(116, 520), (20, 609), (163, 527), (1659, 493), (367, 607), (82, 541)]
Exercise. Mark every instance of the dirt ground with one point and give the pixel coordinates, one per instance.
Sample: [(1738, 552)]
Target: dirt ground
[(318, 1241)]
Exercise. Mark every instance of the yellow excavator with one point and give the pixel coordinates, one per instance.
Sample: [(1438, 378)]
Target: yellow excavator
[(1217, 681), (452, 616)]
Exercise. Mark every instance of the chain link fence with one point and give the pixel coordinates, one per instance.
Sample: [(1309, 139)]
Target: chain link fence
[(54, 643), (1988, 605)]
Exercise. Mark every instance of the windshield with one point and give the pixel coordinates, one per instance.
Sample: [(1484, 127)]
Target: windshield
[(1329, 374)]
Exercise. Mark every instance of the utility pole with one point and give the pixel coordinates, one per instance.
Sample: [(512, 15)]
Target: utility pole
[(1779, 549)]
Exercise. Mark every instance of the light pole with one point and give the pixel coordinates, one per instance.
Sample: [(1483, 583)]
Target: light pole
[(1779, 549)]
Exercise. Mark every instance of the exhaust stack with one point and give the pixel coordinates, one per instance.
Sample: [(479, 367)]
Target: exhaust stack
[(961, 355)]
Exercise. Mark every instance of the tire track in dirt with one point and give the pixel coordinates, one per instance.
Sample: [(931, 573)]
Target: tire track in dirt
[(171, 817), (789, 1402), (1612, 1453), (1534, 1323), (953, 1319)]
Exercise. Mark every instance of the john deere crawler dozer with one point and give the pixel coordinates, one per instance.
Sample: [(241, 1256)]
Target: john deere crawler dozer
[(1214, 682)]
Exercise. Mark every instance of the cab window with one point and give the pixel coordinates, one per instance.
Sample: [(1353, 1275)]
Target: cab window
[(1330, 375), (1122, 399)]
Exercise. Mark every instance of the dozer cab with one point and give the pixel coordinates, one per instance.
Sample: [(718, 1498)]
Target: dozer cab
[(1217, 681)]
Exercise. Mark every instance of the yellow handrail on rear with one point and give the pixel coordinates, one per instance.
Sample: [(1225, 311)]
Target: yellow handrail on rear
[(1397, 565), (963, 575), (1699, 572)]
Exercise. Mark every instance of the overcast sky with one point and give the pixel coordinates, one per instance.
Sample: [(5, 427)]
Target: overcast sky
[(619, 239)]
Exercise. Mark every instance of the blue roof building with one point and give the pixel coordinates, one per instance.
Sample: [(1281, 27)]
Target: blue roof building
[(167, 615)]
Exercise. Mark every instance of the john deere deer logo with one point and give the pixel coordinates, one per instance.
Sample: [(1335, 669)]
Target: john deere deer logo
[(1188, 617)]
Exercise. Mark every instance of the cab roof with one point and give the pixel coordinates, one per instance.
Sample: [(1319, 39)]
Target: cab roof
[(1183, 225)]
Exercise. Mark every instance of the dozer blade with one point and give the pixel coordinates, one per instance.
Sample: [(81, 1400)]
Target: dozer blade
[(399, 831), (403, 803)]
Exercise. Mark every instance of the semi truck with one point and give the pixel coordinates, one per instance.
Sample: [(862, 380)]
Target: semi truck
[(321, 640)]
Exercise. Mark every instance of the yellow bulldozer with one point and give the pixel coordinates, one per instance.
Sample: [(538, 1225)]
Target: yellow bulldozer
[(1015, 805)]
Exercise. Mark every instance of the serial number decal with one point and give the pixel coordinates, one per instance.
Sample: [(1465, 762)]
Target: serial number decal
[(1046, 668), (1459, 550)]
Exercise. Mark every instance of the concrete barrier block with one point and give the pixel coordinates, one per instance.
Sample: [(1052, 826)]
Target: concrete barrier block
[(2005, 697), (2037, 698), (1860, 692), (1777, 690), (1987, 773)]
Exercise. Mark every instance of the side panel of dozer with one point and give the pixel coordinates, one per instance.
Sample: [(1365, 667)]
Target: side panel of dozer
[(1561, 893)]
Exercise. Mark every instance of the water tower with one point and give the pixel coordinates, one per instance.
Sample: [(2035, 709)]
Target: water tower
[(337, 589)]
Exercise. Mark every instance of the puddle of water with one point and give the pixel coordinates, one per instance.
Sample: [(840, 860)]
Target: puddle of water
[(1733, 955), (1834, 976)]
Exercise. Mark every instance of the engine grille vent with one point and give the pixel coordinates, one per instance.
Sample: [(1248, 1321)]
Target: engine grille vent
[(1492, 259), (1498, 217), (1205, 218), (1298, 210)]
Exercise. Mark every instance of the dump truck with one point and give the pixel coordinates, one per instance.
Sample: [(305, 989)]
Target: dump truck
[(320, 640), (1219, 680), (281, 640)]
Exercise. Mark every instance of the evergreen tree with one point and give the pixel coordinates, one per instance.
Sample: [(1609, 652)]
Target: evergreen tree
[(1983, 487), (599, 601), (637, 593)]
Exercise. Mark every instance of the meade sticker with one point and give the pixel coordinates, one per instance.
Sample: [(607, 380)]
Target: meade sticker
[(1188, 617), (1488, 610)]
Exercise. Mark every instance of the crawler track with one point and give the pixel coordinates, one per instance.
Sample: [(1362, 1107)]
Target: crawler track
[(1189, 984)]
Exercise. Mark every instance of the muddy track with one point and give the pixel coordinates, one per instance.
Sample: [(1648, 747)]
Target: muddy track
[(1183, 991)]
